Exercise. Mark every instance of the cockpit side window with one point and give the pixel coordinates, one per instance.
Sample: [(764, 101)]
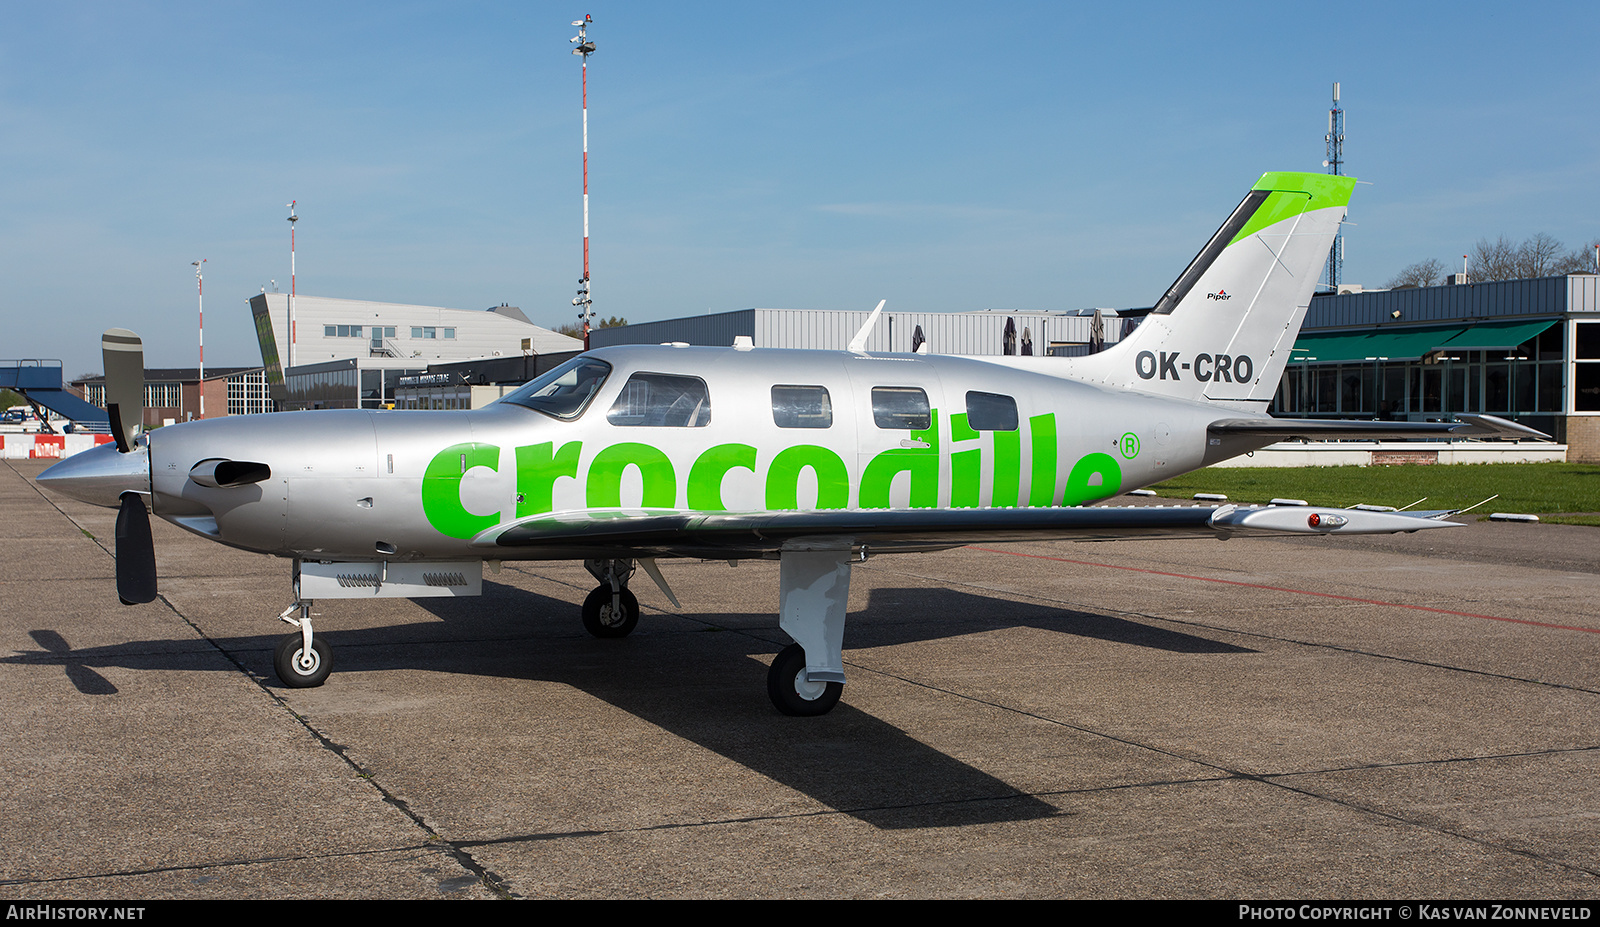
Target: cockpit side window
[(900, 407), (991, 412), (565, 391), (801, 407), (662, 400)]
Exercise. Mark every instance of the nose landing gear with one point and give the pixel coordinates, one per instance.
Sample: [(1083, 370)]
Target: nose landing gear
[(611, 610), (608, 613), (301, 660)]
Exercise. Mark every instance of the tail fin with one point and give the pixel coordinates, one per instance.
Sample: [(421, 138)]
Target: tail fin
[(1224, 330)]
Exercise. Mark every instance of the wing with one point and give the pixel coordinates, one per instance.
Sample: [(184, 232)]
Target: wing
[(1283, 428), (717, 535)]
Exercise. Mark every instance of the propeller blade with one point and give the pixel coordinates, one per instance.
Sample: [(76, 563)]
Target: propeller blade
[(123, 354), (136, 552)]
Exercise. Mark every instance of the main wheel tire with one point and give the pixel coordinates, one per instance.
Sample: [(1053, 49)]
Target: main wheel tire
[(286, 660), (792, 694), (602, 620)]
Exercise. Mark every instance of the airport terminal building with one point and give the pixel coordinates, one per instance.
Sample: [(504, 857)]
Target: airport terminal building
[(172, 394), (1527, 350), (353, 354)]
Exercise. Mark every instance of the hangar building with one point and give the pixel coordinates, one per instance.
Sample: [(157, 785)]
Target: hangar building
[(1527, 350)]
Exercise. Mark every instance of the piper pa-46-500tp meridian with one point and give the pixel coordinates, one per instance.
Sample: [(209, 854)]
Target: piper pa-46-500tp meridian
[(818, 459)]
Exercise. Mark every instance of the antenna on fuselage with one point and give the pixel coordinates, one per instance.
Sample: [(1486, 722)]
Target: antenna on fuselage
[(858, 344)]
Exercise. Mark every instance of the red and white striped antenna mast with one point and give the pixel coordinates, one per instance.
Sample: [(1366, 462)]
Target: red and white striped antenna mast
[(292, 220), (584, 302), (200, 292)]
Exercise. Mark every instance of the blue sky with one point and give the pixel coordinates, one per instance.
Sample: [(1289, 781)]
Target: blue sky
[(943, 156)]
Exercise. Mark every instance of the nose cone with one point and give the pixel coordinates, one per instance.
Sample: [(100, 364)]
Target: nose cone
[(101, 475)]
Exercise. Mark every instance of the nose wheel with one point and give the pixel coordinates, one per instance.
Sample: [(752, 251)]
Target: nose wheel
[(302, 660), (610, 610), (300, 667), (610, 614)]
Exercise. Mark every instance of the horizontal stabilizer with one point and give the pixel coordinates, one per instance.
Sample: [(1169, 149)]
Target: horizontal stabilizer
[(1469, 426), (1299, 519)]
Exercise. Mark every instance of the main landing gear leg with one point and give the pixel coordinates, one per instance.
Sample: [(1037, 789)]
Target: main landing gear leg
[(302, 660), (807, 677), (610, 610)]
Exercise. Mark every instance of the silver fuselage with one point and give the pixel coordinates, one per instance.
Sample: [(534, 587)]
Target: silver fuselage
[(396, 485)]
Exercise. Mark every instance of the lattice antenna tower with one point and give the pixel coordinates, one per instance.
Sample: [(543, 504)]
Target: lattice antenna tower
[(1335, 165), (585, 302)]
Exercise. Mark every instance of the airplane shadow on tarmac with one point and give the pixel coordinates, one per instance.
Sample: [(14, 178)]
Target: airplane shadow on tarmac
[(700, 676)]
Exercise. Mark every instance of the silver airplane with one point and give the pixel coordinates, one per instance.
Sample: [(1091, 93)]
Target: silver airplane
[(817, 459)]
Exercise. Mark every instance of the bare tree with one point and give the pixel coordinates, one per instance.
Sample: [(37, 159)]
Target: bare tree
[(1581, 261), (1422, 273), (1538, 256), (576, 331), (1493, 260), (1501, 259)]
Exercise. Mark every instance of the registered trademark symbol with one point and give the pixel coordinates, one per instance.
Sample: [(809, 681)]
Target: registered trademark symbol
[(1130, 445)]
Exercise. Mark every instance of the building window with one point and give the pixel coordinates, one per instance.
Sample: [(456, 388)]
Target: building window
[(247, 393), (161, 395), (1586, 367)]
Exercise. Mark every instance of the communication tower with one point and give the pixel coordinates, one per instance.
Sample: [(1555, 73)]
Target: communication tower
[(1335, 165), (584, 303)]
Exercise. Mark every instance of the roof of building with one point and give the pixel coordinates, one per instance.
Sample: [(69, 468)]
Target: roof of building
[(177, 374)]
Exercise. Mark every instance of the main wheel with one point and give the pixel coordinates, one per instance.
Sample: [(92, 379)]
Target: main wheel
[(792, 693), (298, 673), (602, 620)]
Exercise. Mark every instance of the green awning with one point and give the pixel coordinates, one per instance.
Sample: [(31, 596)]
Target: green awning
[(1390, 344), (1402, 344), (1495, 335)]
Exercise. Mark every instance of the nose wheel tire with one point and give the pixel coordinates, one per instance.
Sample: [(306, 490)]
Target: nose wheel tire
[(792, 693), (603, 620), (299, 670)]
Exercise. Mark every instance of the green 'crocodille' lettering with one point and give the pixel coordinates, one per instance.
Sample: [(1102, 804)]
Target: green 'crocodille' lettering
[(441, 489), (537, 472), (921, 462), (705, 477), (540, 466), (1096, 476), (655, 470), (783, 478)]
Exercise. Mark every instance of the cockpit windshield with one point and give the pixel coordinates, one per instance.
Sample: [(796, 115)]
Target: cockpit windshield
[(564, 392)]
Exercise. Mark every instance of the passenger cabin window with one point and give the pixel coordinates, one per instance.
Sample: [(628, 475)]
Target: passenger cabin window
[(565, 391), (991, 412), (900, 407), (662, 400), (801, 407)]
